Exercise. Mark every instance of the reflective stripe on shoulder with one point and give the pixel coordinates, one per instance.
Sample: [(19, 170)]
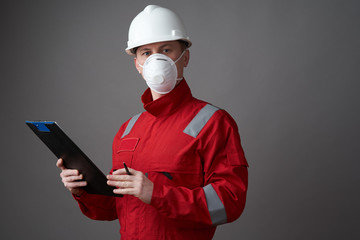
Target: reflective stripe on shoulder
[(199, 121), (215, 206), (131, 124)]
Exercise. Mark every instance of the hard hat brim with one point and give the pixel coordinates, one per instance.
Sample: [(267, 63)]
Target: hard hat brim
[(130, 50)]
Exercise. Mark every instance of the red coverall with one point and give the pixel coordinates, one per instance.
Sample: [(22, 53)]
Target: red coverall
[(191, 151)]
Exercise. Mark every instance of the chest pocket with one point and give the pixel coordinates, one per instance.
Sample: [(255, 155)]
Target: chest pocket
[(128, 145), (124, 152)]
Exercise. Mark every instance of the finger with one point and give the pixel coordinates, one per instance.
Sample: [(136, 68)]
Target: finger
[(120, 171), (69, 172), (121, 184), (124, 191), (60, 164), (71, 185), (72, 178), (120, 177), (133, 171)]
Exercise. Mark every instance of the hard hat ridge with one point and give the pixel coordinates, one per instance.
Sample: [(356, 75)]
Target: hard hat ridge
[(148, 9)]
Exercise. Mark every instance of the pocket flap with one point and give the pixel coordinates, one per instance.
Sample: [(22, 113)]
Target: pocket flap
[(128, 144)]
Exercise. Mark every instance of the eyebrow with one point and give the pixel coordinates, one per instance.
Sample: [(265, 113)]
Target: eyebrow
[(161, 47), (166, 45)]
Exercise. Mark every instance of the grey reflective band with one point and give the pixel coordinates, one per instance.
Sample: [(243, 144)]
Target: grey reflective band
[(215, 206), (199, 121), (130, 124)]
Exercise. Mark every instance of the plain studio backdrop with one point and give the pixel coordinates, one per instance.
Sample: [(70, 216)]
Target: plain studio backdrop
[(287, 71)]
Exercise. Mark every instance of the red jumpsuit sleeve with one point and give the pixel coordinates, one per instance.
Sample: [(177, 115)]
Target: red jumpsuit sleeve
[(97, 207), (222, 198)]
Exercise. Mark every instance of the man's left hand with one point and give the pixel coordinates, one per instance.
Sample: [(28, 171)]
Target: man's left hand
[(136, 184)]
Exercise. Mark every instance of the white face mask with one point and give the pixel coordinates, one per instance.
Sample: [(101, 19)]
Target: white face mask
[(160, 72)]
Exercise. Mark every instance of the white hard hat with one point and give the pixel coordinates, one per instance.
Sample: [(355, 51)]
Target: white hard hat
[(155, 24)]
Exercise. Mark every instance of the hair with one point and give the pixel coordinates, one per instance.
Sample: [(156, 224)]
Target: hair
[(133, 50), (184, 44)]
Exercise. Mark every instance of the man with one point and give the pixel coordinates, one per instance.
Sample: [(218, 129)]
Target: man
[(188, 170)]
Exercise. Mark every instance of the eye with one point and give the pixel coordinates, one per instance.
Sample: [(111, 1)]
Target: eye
[(147, 53), (166, 50)]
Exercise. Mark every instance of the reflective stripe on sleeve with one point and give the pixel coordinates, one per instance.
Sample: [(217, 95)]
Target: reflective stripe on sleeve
[(199, 121), (131, 124), (215, 206)]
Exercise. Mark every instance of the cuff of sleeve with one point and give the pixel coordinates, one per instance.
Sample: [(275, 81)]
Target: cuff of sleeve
[(77, 197), (86, 198)]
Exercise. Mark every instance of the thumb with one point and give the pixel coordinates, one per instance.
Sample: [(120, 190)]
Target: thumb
[(60, 164)]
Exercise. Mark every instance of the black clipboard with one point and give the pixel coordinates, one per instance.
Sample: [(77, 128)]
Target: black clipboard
[(63, 147)]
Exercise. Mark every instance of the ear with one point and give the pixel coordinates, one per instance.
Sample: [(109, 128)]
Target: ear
[(137, 65), (186, 57)]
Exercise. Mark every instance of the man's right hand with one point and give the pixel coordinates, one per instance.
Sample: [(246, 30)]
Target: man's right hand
[(70, 178)]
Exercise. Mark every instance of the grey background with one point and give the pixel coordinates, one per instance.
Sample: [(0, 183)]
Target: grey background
[(287, 71)]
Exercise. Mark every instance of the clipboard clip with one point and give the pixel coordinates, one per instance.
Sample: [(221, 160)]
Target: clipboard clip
[(41, 126)]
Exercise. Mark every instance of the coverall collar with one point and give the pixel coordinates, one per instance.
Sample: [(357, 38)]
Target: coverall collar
[(168, 103)]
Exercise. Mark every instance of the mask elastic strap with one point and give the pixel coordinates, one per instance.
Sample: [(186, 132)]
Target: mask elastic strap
[(182, 54)]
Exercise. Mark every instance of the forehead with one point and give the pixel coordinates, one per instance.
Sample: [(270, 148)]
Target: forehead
[(159, 45)]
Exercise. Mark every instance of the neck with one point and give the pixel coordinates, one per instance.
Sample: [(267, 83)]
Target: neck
[(156, 95)]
